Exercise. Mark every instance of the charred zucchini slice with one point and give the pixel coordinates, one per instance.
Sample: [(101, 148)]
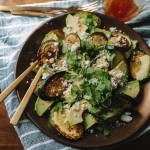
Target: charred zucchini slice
[(120, 40), (53, 87), (62, 125), (72, 42), (48, 52), (101, 63), (97, 39), (139, 65)]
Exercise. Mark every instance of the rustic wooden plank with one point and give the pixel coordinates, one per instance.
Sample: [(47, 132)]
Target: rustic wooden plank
[(8, 136)]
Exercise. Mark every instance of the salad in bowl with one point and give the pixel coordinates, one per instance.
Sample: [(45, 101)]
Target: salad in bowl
[(91, 76)]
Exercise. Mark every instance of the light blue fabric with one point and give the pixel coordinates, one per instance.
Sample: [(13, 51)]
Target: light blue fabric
[(14, 30)]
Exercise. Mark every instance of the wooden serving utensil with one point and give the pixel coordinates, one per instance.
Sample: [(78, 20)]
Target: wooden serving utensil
[(17, 81), (25, 99)]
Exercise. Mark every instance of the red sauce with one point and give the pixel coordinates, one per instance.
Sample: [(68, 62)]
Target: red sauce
[(124, 10)]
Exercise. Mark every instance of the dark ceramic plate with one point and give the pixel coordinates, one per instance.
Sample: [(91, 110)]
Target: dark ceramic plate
[(96, 140)]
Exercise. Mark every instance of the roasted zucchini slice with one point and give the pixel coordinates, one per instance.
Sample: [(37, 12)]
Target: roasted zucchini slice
[(72, 42), (48, 52), (101, 63), (120, 41), (53, 87), (97, 39), (62, 125), (139, 65)]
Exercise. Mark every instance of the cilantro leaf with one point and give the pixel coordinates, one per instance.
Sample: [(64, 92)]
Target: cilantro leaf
[(104, 128), (59, 106)]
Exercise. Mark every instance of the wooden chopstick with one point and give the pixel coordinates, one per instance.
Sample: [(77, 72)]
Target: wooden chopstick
[(25, 99), (17, 81)]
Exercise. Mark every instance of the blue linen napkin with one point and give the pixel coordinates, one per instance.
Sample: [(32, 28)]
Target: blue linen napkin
[(13, 32)]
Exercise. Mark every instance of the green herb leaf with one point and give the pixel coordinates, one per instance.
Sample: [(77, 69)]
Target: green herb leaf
[(59, 106), (104, 128), (94, 110), (75, 90)]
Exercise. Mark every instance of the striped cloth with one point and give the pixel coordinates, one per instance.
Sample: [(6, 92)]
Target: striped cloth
[(13, 32)]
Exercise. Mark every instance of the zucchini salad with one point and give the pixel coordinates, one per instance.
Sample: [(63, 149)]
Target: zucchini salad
[(91, 76)]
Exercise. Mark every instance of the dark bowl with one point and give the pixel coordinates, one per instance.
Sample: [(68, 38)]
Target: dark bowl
[(95, 140)]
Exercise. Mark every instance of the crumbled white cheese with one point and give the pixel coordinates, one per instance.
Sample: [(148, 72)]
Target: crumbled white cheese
[(106, 64), (114, 82), (91, 131), (84, 35), (53, 65), (76, 106), (101, 63), (112, 29), (49, 54), (86, 97), (45, 75), (74, 47), (46, 60), (126, 117), (56, 43), (93, 81), (67, 92), (31, 63), (127, 113), (67, 106), (65, 83), (44, 65), (87, 63), (64, 65), (118, 39), (119, 75), (51, 60)]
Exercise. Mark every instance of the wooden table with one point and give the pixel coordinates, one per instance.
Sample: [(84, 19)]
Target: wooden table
[(8, 137)]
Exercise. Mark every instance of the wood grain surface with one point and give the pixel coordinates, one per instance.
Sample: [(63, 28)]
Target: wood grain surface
[(8, 137)]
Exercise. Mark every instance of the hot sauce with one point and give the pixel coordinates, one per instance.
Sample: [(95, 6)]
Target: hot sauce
[(123, 10)]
